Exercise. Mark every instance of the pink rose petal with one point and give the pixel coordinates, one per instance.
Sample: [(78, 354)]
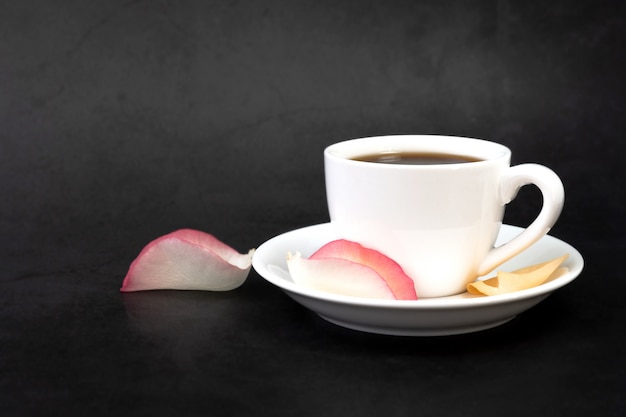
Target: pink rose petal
[(398, 281), (347, 268), (187, 260)]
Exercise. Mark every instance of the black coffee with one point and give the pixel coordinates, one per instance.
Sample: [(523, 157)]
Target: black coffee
[(416, 158)]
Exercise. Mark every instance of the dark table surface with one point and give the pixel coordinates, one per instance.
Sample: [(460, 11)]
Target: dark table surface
[(122, 121)]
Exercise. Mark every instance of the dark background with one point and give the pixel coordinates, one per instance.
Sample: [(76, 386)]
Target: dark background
[(121, 121)]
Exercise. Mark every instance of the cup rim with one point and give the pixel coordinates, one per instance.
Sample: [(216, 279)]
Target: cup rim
[(486, 151)]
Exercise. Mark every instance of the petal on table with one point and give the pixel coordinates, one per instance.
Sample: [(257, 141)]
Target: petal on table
[(187, 260)]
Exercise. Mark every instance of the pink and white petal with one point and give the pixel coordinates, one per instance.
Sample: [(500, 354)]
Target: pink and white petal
[(400, 283), (187, 260), (338, 276)]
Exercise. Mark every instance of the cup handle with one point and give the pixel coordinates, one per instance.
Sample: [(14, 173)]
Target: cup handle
[(553, 194)]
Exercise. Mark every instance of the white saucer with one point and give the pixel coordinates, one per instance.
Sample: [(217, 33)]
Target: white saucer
[(456, 314)]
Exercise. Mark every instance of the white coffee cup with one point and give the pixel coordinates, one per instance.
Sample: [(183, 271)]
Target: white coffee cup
[(439, 222)]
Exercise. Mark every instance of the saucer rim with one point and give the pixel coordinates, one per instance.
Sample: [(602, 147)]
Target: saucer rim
[(575, 264)]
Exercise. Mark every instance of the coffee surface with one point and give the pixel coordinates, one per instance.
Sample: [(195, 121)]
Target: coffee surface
[(416, 158)]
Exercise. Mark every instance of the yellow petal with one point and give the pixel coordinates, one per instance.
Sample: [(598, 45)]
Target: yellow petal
[(521, 279)]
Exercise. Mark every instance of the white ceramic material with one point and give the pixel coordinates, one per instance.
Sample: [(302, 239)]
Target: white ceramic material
[(423, 216), (461, 313)]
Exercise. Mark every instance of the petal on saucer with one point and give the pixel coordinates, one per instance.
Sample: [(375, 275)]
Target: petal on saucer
[(398, 281), (187, 260), (338, 276), (521, 279)]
